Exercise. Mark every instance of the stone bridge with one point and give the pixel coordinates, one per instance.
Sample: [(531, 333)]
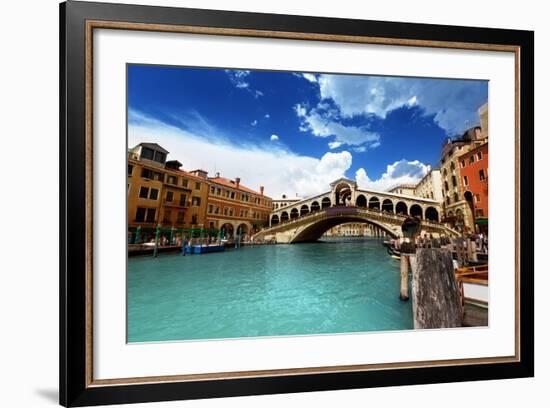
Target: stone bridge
[(309, 218), (312, 226)]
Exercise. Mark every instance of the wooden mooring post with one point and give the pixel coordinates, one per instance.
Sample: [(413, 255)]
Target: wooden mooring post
[(407, 251), (404, 290), (436, 301)]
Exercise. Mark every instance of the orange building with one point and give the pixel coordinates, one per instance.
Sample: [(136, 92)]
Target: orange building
[(234, 208), (474, 168), (160, 194)]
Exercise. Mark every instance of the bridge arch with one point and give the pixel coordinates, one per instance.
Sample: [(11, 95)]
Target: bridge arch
[(374, 203), (325, 202), (304, 210), (274, 219), (387, 205), (361, 201), (432, 214), (401, 208), (284, 216), (315, 206), (416, 211), (294, 213), (315, 230), (343, 192)]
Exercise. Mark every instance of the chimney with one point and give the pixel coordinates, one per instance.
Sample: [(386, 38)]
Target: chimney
[(237, 181), (261, 190), (218, 174)]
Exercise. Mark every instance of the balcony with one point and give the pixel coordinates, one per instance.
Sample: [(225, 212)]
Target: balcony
[(175, 203)]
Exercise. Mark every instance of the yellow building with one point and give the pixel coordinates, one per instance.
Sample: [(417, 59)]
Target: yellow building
[(160, 193)]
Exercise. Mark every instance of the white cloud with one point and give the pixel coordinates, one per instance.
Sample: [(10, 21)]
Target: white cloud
[(256, 165), (300, 110), (254, 123), (310, 77), (307, 76), (274, 138), (334, 145), (322, 124), (400, 172), (452, 102), (267, 116), (239, 78)]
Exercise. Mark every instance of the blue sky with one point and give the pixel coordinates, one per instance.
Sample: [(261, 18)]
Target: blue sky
[(296, 132)]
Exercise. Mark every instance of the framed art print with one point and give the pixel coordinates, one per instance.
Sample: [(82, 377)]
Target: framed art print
[(256, 203)]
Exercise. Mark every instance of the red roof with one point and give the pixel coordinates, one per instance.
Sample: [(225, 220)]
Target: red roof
[(231, 183)]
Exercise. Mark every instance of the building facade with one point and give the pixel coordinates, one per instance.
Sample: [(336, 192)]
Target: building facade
[(160, 194), (403, 189), (235, 208), (474, 171), (430, 186), (458, 212), (284, 201)]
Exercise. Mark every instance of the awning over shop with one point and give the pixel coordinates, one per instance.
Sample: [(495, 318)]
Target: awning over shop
[(482, 221)]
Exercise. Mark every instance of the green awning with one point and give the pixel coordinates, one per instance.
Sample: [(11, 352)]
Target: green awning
[(482, 221)]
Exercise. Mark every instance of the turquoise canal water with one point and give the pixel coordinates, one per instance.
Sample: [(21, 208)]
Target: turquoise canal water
[(272, 290)]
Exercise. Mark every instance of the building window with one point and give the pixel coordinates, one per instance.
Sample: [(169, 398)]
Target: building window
[(169, 196), (154, 194), (130, 169), (147, 153), (196, 201), (453, 179), (210, 208), (465, 180), (218, 191), (140, 214), (183, 200), (150, 215), (167, 216), (194, 219), (233, 195), (185, 183), (478, 198), (481, 175), (231, 212), (456, 197), (462, 163), (212, 189), (217, 210), (479, 155), (146, 174), (143, 192), (479, 212), (172, 180), (225, 211), (159, 157), (179, 220), (197, 185), (448, 201), (472, 159)]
